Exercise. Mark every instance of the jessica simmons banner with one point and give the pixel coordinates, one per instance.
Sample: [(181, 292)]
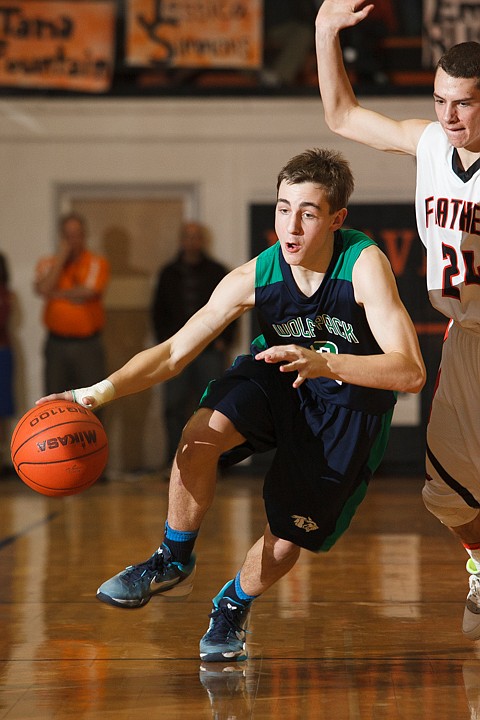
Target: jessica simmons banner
[(194, 33)]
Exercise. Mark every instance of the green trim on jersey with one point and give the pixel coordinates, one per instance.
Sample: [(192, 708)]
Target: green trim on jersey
[(350, 507), (266, 271), (259, 343), (354, 242)]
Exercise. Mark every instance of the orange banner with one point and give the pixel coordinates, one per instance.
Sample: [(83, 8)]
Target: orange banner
[(194, 33), (57, 44)]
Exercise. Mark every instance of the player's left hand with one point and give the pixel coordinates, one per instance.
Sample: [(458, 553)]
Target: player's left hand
[(308, 363)]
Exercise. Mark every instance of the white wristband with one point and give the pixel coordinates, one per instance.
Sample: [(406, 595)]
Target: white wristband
[(102, 392)]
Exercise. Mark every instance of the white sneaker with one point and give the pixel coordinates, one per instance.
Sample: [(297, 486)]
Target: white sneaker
[(471, 616)]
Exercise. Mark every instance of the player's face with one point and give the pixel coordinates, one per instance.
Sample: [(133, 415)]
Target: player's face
[(305, 225), (457, 104)]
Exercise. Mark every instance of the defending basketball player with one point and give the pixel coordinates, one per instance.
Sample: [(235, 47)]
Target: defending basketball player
[(326, 409), (447, 208)]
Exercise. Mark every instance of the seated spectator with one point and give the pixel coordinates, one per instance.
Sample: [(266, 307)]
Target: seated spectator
[(362, 44), (289, 36)]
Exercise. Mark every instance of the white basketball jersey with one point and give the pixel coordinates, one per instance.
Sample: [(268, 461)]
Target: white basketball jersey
[(448, 219)]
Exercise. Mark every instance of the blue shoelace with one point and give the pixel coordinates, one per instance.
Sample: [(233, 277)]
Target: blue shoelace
[(155, 563)]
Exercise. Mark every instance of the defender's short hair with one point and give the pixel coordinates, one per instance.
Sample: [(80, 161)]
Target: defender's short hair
[(462, 61)]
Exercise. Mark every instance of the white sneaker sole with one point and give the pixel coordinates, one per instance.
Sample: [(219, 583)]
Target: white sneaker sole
[(471, 624)]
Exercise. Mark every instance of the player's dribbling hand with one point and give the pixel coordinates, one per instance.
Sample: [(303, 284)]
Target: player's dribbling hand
[(338, 14), (307, 363), (88, 402), (91, 397)]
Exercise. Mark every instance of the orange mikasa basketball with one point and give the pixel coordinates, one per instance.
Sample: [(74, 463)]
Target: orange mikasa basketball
[(59, 448)]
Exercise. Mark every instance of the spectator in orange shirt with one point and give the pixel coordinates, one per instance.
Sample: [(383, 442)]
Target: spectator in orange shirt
[(72, 283)]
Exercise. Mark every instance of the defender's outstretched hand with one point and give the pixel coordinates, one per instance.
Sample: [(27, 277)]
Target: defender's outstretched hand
[(308, 363), (339, 14)]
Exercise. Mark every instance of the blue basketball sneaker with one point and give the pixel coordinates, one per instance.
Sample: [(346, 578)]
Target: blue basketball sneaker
[(134, 586), (225, 638)]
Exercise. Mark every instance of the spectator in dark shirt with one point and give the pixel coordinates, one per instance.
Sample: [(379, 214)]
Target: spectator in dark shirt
[(183, 287), (289, 38)]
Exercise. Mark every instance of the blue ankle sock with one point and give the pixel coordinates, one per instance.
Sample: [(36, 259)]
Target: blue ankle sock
[(234, 591), (180, 543)]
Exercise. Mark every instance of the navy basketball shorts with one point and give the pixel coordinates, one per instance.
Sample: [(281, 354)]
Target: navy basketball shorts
[(323, 460)]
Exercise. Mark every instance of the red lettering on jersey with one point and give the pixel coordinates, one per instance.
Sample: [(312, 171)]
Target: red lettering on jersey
[(475, 227), (428, 209), (472, 274), (454, 214), (466, 217), (455, 208), (442, 211)]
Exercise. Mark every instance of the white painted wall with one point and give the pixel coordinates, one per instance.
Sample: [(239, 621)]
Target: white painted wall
[(232, 149)]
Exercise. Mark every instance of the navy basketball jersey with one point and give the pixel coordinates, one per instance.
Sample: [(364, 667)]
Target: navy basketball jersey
[(328, 321)]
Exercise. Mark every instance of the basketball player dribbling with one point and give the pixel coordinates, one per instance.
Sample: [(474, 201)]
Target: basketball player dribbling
[(448, 219), (328, 423)]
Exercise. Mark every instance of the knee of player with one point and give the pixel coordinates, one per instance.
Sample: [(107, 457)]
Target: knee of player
[(278, 548), (199, 441), (446, 505)]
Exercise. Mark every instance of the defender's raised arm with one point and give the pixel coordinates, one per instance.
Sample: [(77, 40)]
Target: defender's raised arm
[(343, 113)]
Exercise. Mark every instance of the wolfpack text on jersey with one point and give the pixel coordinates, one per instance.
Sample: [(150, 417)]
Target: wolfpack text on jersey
[(328, 321)]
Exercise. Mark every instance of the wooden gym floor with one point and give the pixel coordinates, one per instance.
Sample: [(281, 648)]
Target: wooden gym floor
[(370, 630)]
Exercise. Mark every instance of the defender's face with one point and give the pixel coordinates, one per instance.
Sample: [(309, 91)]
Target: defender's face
[(305, 225), (457, 105)]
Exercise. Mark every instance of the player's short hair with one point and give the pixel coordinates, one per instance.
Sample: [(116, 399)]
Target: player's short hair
[(462, 61), (323, 167)]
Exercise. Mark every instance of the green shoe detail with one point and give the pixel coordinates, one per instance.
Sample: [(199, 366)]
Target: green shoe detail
[(472, 567)]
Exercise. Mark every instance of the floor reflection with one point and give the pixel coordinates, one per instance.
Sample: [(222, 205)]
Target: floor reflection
[(231, 689), (471, 679), (369, 631), (343, 691)]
